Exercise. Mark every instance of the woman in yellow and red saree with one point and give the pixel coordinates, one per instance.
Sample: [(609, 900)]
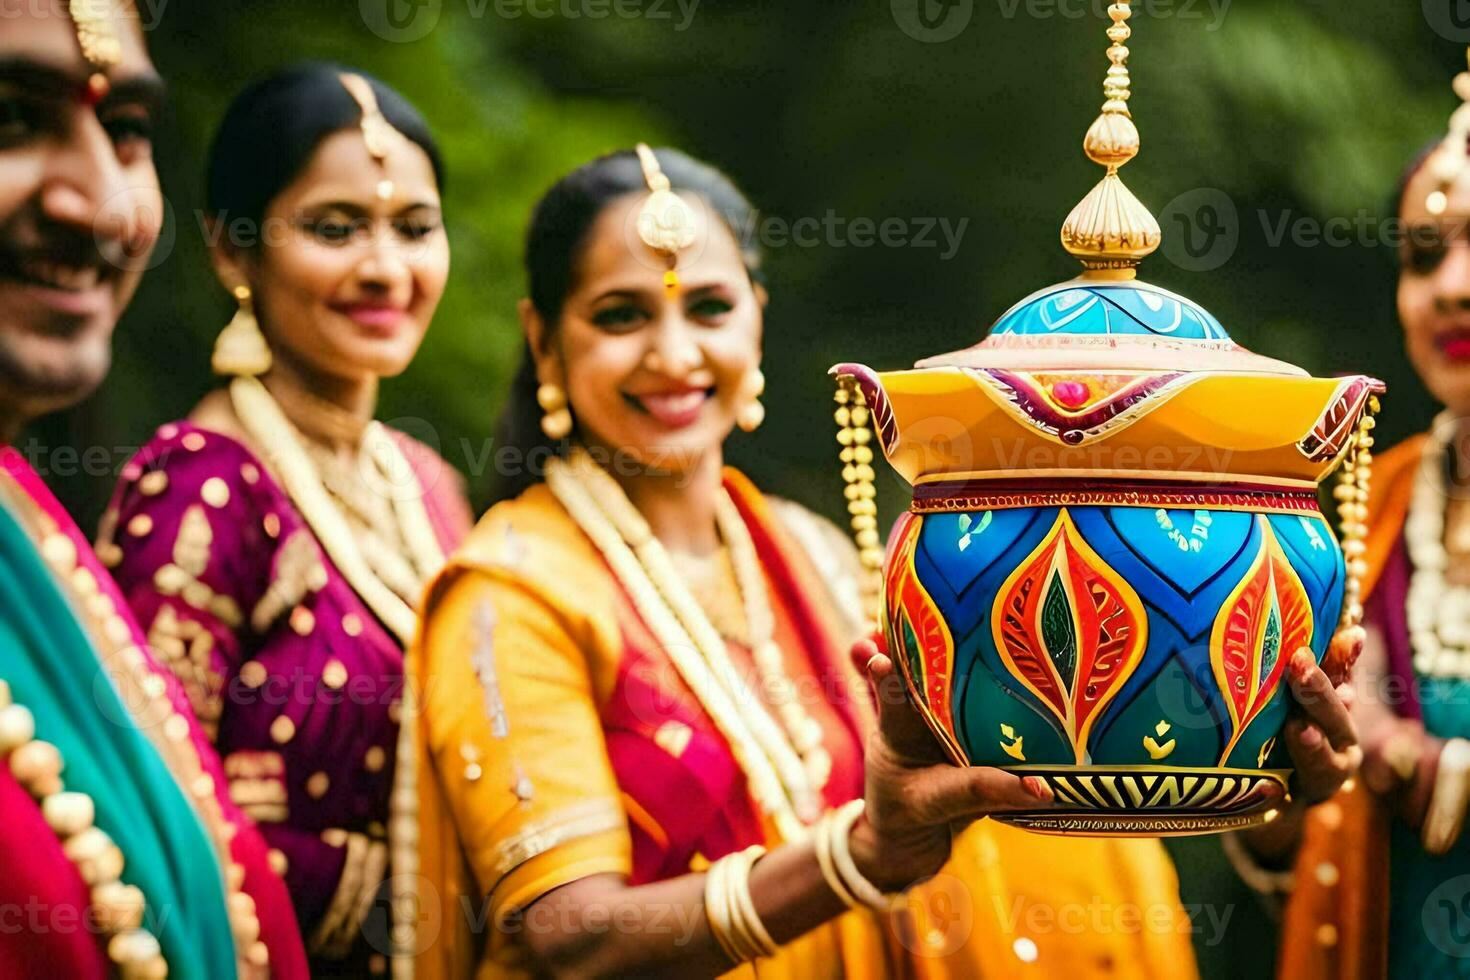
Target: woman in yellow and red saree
[(1380, 887), (641, 733)]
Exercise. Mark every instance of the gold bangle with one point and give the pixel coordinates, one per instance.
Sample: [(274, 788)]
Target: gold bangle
[(838, 832), (717, 908), (751, 935), (822, 842)]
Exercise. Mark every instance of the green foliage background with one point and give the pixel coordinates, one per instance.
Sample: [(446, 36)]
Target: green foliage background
[(1291, 108)]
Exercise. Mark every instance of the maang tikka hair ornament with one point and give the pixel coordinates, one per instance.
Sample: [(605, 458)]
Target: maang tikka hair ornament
[(377, 132), (1452, 157), (665, 222), (95, 22)]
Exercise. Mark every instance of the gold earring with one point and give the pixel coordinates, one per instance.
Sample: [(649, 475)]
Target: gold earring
[(557, 420), (240, 349), (752, 413)]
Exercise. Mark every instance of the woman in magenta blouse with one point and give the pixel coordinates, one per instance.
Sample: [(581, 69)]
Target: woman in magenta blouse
[(274, 544)]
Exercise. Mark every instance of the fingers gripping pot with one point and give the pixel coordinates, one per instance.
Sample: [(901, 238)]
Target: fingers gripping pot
[(1114, 544)]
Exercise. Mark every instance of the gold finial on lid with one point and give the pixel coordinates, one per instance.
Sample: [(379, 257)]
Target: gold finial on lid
[(1453, 155), (1110, 230)]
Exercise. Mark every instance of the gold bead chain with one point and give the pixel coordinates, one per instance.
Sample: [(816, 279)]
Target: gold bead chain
[(855, 436), (1354, 481)]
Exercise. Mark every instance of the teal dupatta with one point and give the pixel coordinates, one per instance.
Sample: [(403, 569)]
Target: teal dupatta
[(51, 665)]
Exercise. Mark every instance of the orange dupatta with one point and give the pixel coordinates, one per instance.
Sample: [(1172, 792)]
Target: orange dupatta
[(1335, 925)]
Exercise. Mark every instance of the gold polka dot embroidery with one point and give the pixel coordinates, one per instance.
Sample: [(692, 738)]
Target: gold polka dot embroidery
[(253, 673), (140, 525), (272, 525), (197, 594), (283, 729), (317, 785), (168, 431), (1329, 814), (352, 625), (302, 620), (250, 473), (170, 579), (194, 441), (110, 554), (215, 492), (334, 837), (203, 785), (154, 483), (279, 863), (373, 760), (334, 674)]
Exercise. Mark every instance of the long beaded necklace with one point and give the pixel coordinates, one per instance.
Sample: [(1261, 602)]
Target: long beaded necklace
[(1438, 612), (804, 731), (279, 440), (778, 776)]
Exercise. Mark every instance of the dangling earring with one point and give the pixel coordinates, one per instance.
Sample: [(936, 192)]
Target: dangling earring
[(752, 413), (240, 348), (557, 422)]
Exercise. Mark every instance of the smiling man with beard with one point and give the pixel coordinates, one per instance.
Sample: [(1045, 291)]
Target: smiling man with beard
[(120, 849)]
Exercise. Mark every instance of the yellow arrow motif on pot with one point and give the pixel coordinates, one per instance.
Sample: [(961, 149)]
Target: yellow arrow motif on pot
[(1155, 750), (1013, 747)]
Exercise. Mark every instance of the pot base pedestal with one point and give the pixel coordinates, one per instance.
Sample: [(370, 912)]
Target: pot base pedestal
[(1150, 801)]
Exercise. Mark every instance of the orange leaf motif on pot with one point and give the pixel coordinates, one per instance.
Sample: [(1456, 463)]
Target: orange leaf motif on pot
[(1266, 619), (918, 637), (1070, 629)]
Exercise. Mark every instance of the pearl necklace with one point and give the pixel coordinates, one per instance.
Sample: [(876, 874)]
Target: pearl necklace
[(804, 731), (1438, 612), (118, 907), (778, 777), (281, 444)]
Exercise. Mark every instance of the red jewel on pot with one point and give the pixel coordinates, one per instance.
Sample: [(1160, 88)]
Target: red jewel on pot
[(1071, 394)]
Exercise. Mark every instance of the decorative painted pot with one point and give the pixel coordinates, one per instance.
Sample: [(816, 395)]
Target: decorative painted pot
[(1114, 547)]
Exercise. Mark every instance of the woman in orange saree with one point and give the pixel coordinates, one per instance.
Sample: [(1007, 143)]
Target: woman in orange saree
[(1380, 887)]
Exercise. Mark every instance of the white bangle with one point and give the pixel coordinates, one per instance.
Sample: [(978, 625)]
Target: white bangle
[(1446, 814), (822, 841), (839, 830)]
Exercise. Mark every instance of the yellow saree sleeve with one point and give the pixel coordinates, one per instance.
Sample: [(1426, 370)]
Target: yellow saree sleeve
[(517, 795)]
